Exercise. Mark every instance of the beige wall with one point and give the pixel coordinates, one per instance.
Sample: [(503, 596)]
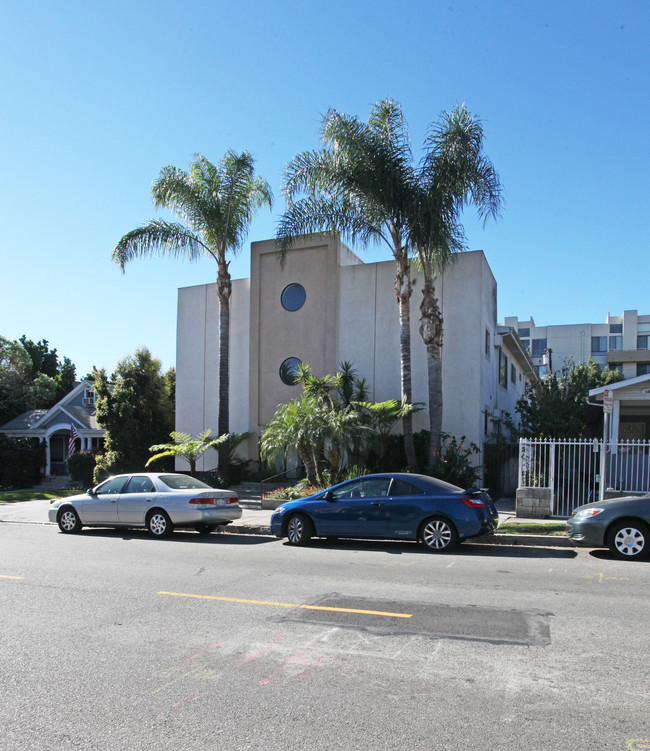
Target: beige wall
[(350, 313)]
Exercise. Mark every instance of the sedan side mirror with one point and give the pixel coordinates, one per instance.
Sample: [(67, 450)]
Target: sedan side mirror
[(91, 492), (329, 496)]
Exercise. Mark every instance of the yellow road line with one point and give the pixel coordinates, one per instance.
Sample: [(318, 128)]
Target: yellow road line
[(289, 605), (6, 576)]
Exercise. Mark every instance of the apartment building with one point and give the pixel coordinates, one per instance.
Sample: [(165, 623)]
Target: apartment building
[(622, 342)]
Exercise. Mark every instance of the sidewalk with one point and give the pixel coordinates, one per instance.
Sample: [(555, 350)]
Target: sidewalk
[(256, 521)]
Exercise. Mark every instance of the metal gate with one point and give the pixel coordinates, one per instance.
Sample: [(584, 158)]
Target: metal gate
[(572, 469)]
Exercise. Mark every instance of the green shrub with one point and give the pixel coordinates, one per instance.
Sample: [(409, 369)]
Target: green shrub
[(81, 466), (21, 460)]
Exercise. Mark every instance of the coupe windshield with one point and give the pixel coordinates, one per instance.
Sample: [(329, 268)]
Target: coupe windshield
[(182, 482)]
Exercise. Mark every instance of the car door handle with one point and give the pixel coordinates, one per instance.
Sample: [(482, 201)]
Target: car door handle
[(377, 503)]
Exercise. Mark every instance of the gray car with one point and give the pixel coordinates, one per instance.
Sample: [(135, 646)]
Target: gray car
[(621, 524), (158, 501)]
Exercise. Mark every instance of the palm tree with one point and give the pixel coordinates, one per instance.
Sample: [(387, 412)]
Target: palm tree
[(217, 204), (297, 426), (453, 174), (362, 184)]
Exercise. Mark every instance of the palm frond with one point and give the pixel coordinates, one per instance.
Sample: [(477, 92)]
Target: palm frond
[(158, 237)]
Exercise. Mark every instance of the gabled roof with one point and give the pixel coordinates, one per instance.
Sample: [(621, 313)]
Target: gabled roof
[(25, 421), (61, 404), (36, 419), (638, 384)]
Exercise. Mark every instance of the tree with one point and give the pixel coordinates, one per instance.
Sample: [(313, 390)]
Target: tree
[(383, 417), (186, 447), (454, 173), (362, 184), (31, 377), (555, 406), (217, 204), (135, 409)]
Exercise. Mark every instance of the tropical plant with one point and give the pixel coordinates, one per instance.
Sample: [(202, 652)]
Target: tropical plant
[(216, 204), (184, 446), (383, 416), (455, 464), (296, 426), (361, 184)]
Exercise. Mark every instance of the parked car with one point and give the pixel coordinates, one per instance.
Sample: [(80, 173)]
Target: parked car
[(620, 524), (157, 501), (389, 506)]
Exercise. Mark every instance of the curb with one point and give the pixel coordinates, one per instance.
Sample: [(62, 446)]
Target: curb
[(544, 541)]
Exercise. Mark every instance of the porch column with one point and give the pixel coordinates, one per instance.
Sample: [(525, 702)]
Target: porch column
[(47, 456)]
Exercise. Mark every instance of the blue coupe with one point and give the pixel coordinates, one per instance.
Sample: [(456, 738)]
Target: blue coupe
[(389, 506)]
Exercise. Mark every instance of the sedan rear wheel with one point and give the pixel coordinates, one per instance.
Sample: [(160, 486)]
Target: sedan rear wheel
[(69, 522), (159, 524), (628, 540), (299, 530), (438, 535)]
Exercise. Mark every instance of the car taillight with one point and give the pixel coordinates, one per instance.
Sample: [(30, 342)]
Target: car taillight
[(203, 501), (473, 502)]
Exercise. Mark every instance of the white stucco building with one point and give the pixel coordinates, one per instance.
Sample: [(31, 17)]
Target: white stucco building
[(622, 342), (326, 306)]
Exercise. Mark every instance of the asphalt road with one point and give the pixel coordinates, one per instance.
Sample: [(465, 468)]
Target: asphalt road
[(112, 640)]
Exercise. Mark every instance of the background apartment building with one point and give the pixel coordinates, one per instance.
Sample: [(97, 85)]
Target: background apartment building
[(622, 342)]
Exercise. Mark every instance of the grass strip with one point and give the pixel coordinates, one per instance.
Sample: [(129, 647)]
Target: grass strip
[(532, 528), (16, 496)]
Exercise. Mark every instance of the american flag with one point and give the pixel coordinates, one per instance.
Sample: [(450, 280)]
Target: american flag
[(71, 441)]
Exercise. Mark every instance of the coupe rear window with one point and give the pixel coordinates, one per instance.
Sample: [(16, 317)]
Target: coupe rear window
[(182, 482)]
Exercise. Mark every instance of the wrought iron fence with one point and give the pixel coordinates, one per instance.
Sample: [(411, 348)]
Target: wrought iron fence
[(572, 468)]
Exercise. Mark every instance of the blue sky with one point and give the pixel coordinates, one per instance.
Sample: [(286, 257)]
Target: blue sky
[(98, 97)]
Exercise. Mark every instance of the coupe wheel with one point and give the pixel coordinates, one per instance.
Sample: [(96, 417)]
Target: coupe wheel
[(438, 535), (69, 522), (159, 524), (205, 529), (629, 539), (299, 530)]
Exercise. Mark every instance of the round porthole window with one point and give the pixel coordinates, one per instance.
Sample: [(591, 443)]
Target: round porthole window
[(289, 370), (293, 297)]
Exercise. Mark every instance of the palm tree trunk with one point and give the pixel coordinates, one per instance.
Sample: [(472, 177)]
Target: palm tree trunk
[(306, 458), (431, 332), (403, 291), (224, 291)]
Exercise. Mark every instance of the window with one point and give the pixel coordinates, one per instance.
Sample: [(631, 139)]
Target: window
[(616, 342), (503, 370), (513, 374), (615, 328), (616, 366), (289, 370), (401, 487), (293, 297), (539, 347), (487, 342), (88, 398), (642, 341), (111, 487), (598, 345), (526, 343), (542, 370), (642, 368), (139, 485), (375, 487), (524, 333)]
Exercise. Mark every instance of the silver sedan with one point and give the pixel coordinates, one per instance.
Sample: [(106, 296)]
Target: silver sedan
[(158, 501)]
